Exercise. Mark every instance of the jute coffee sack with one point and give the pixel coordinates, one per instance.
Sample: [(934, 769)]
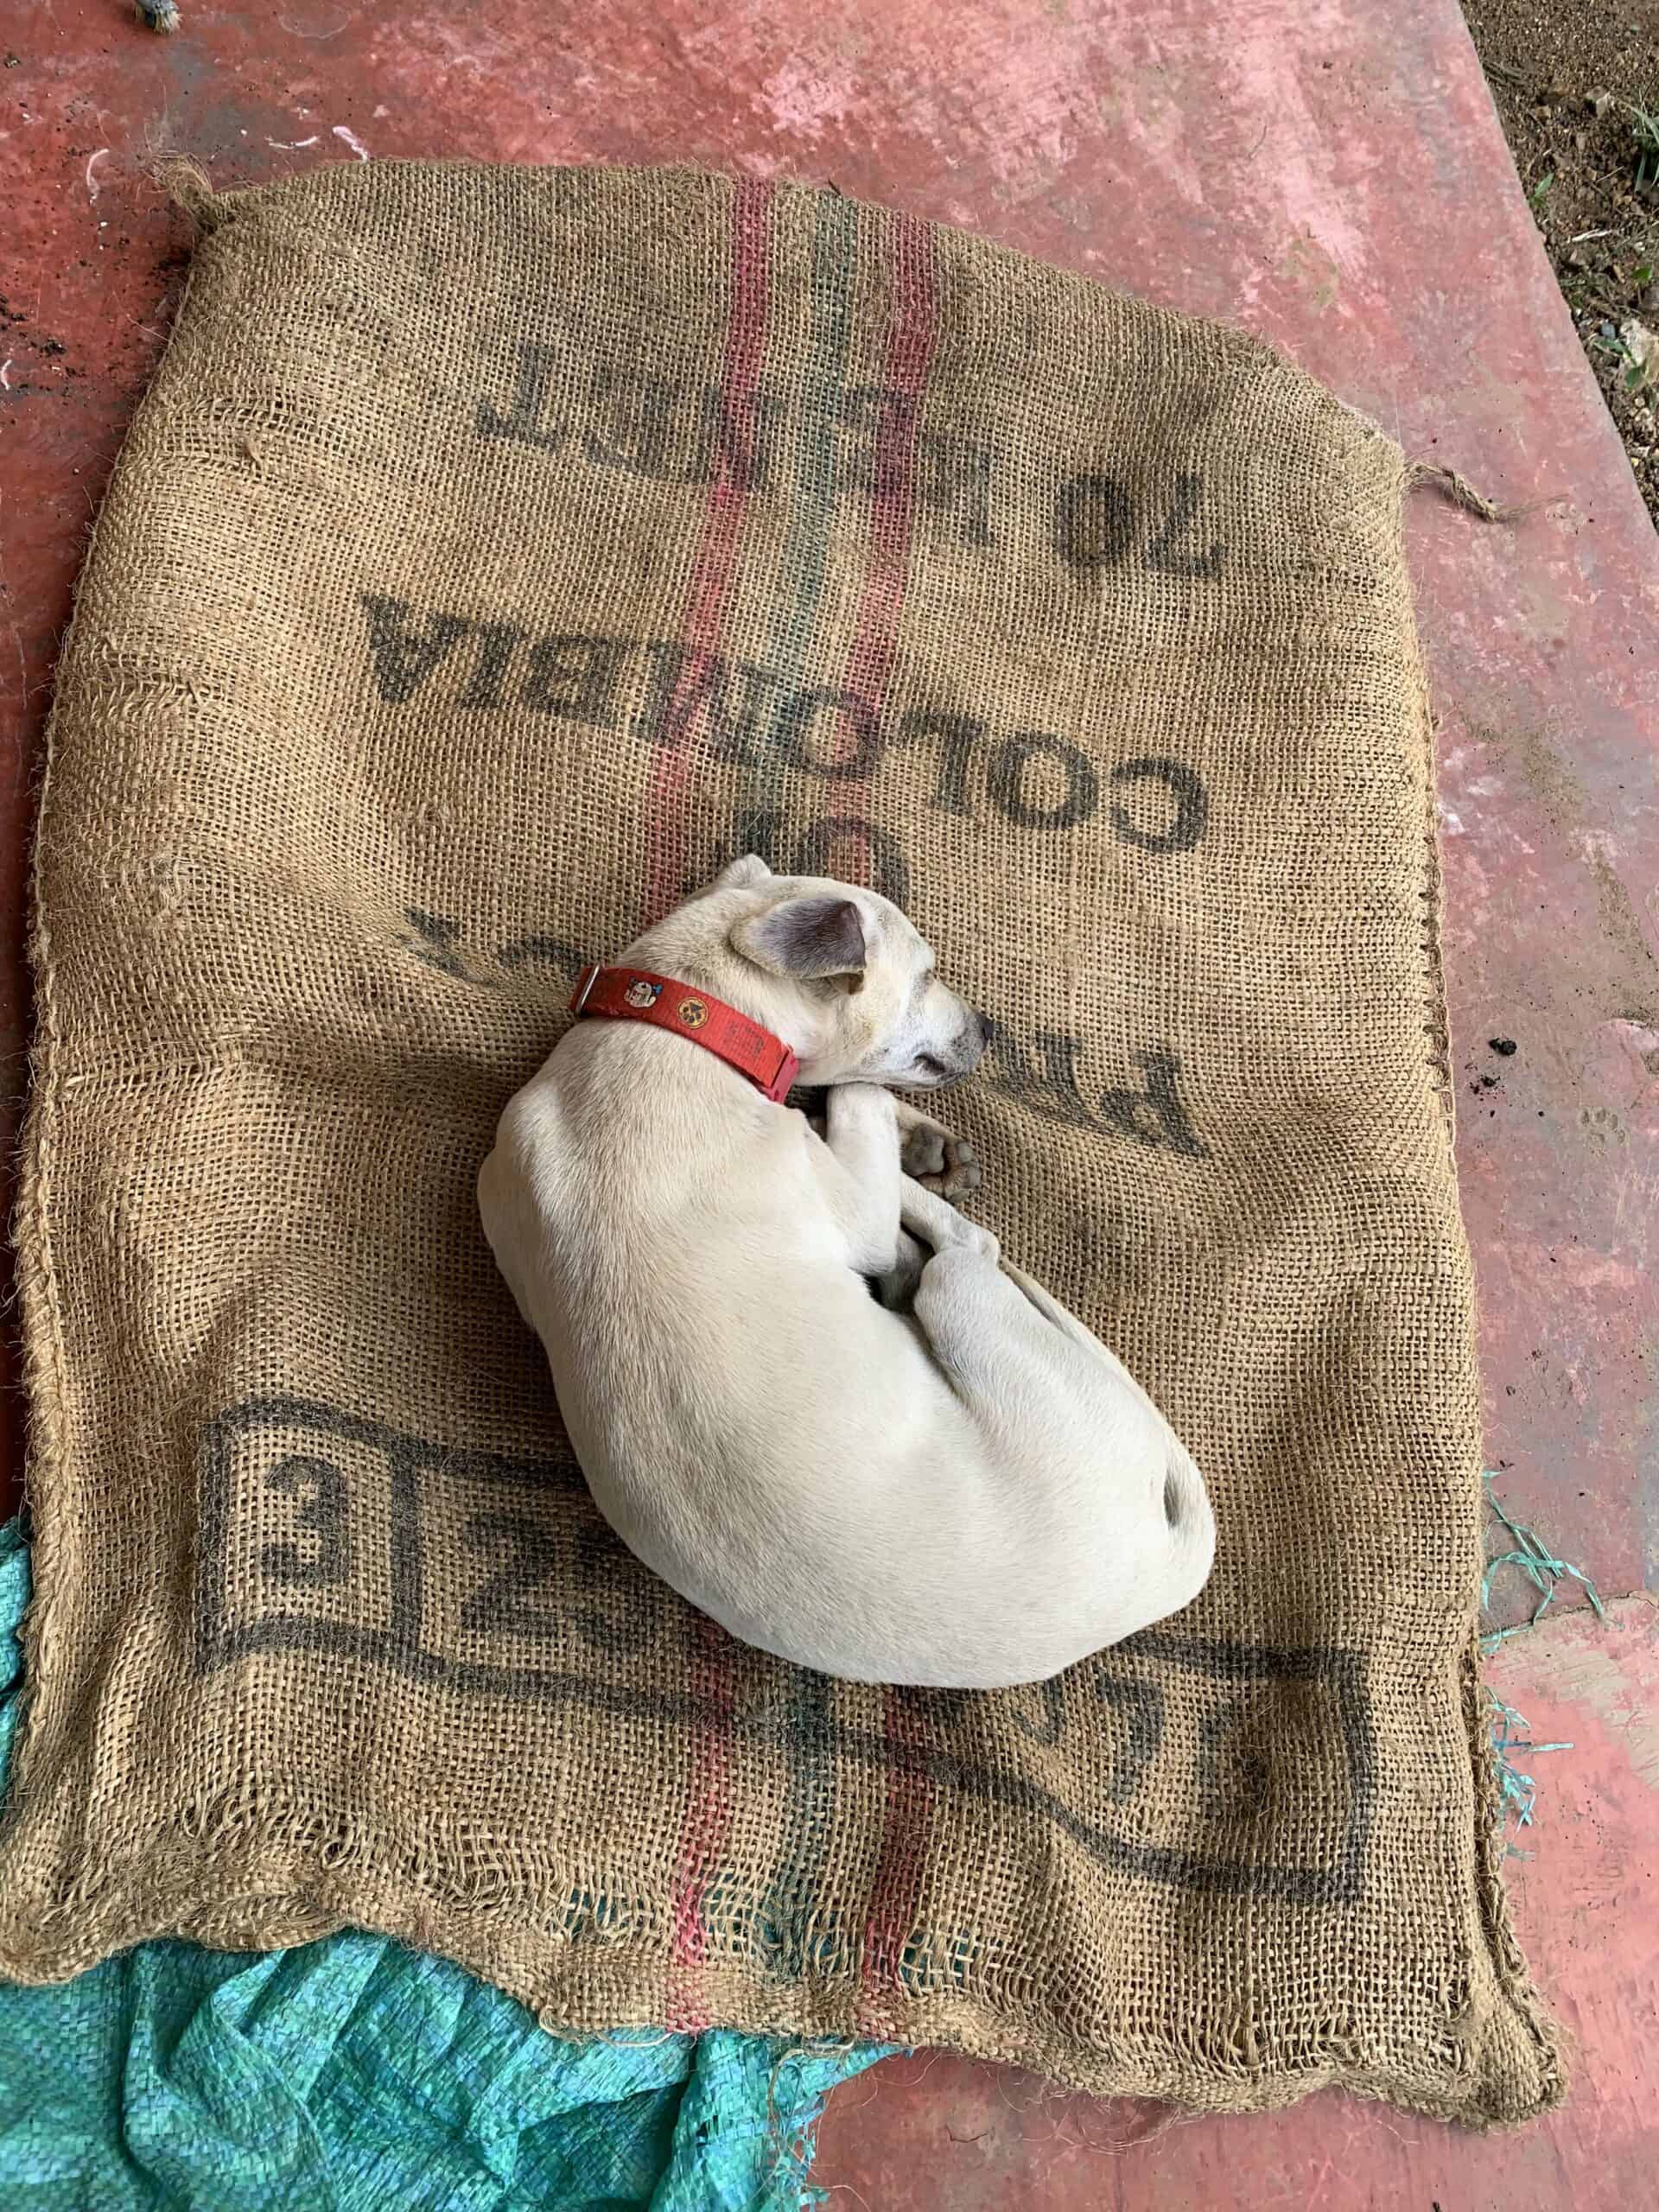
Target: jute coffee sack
[(497, 552)]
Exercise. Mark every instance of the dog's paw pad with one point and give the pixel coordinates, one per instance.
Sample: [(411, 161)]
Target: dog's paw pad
[(924, 1150), (962, 1172), (958, 1173)]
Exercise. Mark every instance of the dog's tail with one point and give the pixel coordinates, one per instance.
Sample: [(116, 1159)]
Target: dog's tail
[(1186, 1500), (1191, 1521)]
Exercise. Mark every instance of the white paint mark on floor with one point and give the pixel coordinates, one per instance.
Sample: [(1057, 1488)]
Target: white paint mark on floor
[(352, 141), (93, 161)]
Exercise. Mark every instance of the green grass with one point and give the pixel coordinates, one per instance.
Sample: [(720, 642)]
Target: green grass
[(1644, 128)]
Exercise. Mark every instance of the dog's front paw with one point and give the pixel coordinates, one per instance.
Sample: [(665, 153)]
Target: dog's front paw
[(940, 1162), (961, 1173)]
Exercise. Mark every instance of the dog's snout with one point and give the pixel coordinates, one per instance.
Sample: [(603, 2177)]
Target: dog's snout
[(970, 1043), (972, 1039)]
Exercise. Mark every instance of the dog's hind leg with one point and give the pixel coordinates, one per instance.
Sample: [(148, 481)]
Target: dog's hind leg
[(896, 1288), (920, 1211), (992, 1329), (933, 1218), (978, 1281)]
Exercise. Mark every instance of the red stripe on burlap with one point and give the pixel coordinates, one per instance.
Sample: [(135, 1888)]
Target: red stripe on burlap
[(707, 1823), (706, 1827), (704, 623), (895, 1892)]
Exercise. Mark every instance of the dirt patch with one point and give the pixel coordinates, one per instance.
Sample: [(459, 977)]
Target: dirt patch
[(1577, 88)]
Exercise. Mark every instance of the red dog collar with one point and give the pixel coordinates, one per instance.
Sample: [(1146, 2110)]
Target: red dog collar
[(633, 994)]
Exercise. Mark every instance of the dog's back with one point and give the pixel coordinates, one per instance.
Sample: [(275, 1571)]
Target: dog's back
[(791, 1457)]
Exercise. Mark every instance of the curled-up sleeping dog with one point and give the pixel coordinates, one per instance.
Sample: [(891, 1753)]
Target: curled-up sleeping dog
[(953, 1484)]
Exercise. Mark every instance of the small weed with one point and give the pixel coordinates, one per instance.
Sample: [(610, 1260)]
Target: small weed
[(1644, 128), (1636, 363), (1539, 192)]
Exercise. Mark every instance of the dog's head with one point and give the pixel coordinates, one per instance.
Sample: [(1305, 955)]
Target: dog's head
[(839, 973)]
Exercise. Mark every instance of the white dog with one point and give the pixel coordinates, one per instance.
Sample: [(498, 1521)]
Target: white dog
[(969, 1491)]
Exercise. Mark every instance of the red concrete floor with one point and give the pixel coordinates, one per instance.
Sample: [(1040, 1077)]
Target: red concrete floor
[(1333, 177), (935, 2133)]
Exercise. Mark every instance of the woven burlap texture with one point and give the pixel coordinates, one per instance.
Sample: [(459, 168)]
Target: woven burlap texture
[(496, 552)]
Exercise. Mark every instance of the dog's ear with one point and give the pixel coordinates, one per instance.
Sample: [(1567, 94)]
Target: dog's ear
[(738, 876), (807, 938)]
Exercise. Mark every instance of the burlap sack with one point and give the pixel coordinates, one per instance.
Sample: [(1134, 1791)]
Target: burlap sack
[(497, 551)]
